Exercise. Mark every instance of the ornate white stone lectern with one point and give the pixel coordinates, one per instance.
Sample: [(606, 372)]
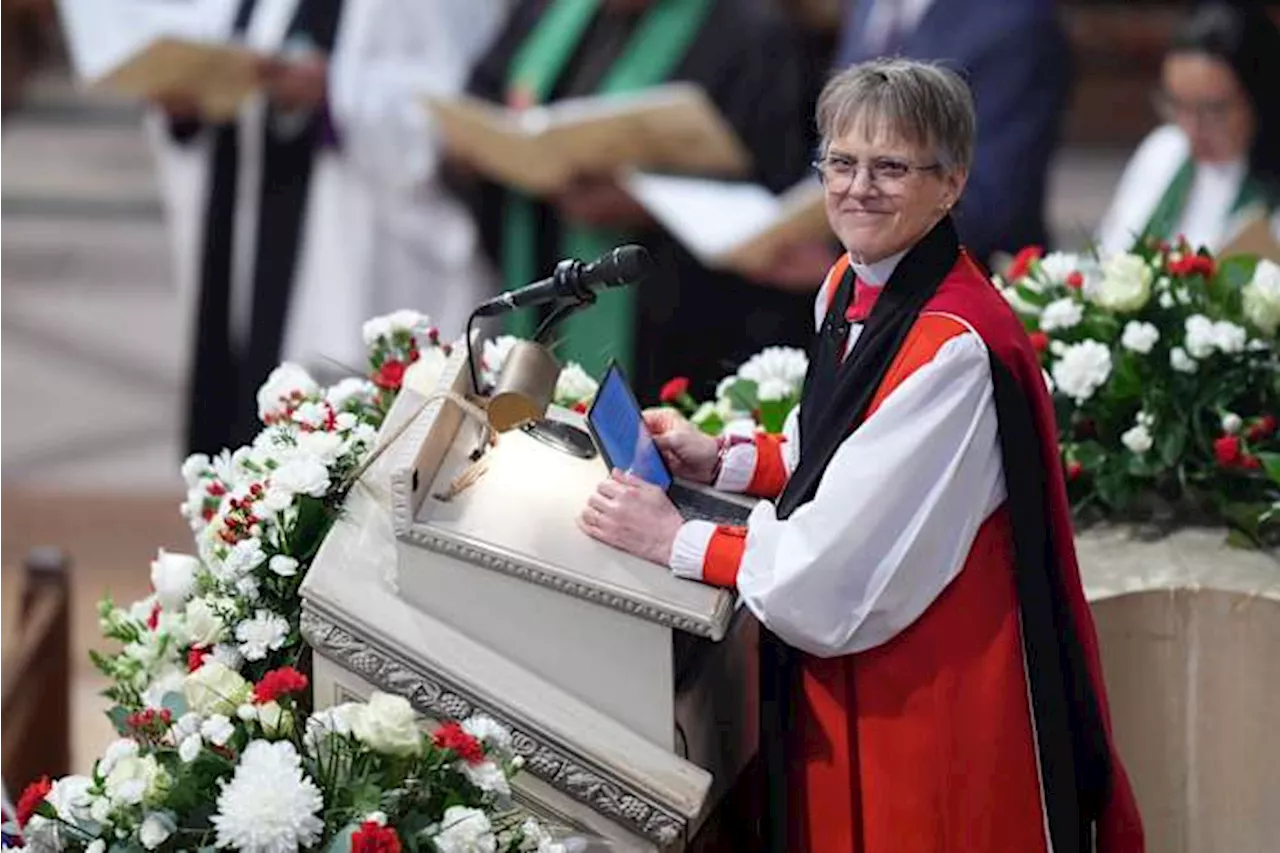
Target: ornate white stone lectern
[(631, 713)]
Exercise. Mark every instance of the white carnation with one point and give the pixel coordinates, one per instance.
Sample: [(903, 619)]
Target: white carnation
[(244, 556), (302, 475), (1201, 339), (1180, 361), (1139, 337), (265, 632), (786, 364), (488, 731), (269, 806), (1061, 314), (1125, 284), (488, 777), (1056, 266), (1137, 438), (774, 388), (348, 390), (1262, 298), (173, 576), (1082, 369), (287, 383), (465, 830), (193, 469), (574, 385)]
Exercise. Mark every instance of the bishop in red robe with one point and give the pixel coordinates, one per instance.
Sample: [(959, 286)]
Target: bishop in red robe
[(930, 678)]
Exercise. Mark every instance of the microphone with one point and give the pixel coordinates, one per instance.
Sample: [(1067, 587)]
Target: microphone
[(575, 280)]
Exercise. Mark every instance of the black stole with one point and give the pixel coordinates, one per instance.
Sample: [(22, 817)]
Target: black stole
[(837, 394), (225, 376)]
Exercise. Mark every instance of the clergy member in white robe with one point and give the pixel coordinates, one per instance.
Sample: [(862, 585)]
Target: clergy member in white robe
[(321, 205), (1213, 169)]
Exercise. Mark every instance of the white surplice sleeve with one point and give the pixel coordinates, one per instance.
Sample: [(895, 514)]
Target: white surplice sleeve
[(893, 518)]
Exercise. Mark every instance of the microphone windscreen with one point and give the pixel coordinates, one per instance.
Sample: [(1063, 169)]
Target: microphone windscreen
[(627, 265)]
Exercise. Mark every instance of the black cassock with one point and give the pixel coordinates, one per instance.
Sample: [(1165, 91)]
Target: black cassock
[(690, 321), (226, 374)]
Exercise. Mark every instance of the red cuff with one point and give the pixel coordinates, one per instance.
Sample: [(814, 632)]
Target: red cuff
[(770, 476), (724, 556)]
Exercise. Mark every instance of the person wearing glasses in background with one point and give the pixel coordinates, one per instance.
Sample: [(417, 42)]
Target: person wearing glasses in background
[(1212, 171), (929, 670)]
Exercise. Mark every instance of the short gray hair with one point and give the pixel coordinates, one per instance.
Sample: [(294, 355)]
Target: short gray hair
[(922, 102)]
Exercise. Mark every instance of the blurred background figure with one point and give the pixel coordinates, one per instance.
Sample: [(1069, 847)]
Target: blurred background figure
[(1015, 56), (320, 205), (1211, 172), (745, 54)]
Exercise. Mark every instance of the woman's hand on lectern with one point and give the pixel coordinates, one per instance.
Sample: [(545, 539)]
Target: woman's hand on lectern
[(634, 516), (690, 453)]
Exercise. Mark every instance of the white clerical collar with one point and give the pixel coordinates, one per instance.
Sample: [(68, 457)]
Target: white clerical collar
[(876, 274)]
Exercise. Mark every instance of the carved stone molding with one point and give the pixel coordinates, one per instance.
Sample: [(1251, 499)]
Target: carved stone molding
[(459, 548), (437, 697)]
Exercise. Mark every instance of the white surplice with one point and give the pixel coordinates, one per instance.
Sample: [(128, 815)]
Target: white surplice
[(893, 518), (380, 232), (1207, 219)]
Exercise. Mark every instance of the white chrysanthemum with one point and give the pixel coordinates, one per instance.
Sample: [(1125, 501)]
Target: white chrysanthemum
[(1137, 438), (574, 385), (285, 384), (1139, 337), (1261, 298), (465, 830), (488, 731), (269, 806), (1082, 369), (1201, 340), (494, 356), (488, 777), (787, 364), (1125, 284), (408, 320), (1180, 361), (265, 632), (1061, 314)]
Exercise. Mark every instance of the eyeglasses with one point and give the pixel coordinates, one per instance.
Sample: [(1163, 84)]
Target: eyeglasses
[(838, 173), (1170, 109)]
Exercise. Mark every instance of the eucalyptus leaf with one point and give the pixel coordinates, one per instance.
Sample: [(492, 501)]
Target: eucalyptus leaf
[(341, 841), (175, 703), (119, 717)]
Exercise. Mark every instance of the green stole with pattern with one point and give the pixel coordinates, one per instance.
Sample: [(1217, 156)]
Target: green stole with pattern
[(661, 39), (1168, 211)]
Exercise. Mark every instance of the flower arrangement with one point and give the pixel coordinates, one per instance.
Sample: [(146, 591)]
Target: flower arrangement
[(759, 395), (1166, 379), (217, 749)]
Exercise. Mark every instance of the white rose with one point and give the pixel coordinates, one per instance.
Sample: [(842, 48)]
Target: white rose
[(1180, 361), (154, 830), (388, 725), (1137, 439), (214, 689), (1125, 285), (1061, 314), (1139, 337), (1262, 298), (276, 721), (574, 385), (169, 680), (204, 625), (133, 780), (465, 830), (174, 578), (70, 797), (118, 749), (285, 382), (303, 475), (1082, 369)]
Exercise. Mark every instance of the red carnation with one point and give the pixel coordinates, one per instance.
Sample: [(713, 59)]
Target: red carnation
[(31, 799), (195, 657), (1190, 265), (1040, 341), (1075, 279), (1227, 450), (390, 375), (277, 683), (453, 737), (580, 407), (372, 837), (1074, 469), (1022, 262), (674, 390), (1264, 428)]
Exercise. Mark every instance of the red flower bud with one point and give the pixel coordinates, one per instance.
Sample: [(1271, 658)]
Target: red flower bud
[(1074, 470), (1075, 279), (1022, 262), (1263, 428), (1040, 341), (674, 390)]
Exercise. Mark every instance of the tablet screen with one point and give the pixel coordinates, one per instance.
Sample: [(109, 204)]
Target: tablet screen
[(620, 432)]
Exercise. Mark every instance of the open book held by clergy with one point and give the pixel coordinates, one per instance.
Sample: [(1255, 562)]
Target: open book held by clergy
[(148, 50), (731, 225), (674, 127)]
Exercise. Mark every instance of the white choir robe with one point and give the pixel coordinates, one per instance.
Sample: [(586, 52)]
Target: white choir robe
[(380, 231), (1207, 219), (894, 516)]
